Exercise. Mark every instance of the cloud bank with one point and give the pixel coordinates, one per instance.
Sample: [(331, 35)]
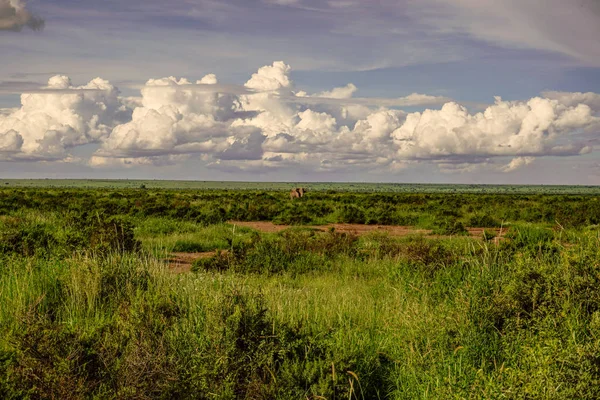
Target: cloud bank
[(60, 117), (14, 16), (269, 124)]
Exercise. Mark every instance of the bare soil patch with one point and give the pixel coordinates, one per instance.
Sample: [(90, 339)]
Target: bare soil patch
[(358, 229), (182, 262)]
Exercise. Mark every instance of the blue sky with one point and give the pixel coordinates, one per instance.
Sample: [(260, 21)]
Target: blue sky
[(462, 52)]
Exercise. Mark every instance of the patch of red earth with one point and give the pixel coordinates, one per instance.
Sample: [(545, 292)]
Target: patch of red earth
[(182, 262), (359, 229), (263, 226)]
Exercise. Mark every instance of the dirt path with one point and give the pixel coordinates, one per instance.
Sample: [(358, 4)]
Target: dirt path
[(182, 262), (357, 229)]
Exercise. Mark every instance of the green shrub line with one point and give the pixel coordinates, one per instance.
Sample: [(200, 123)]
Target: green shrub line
[(428, 211)]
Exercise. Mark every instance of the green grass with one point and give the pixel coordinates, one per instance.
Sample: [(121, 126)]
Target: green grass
[(486, 323), (89, 312), (161, 236), (312, 186)]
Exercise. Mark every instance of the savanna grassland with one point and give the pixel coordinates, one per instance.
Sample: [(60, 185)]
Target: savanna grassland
[(91, 305)]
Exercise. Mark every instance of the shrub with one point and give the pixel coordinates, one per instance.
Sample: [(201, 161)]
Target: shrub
[(483, 221), (112, 234), (450, 227), (293, 250), (351, 214), (220, 262), (208, 216), (119, 278), (531, 239), (293, 216), (50, 361), (262, 359), (488, 235), (27, 239), (427, 255), (190, 246)]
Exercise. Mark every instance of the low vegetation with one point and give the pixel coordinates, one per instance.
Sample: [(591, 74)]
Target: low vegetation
[(92, 309)]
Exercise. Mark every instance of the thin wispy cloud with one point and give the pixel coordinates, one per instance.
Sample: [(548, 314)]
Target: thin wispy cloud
[(570, 28), (412, 100), (25, 87)]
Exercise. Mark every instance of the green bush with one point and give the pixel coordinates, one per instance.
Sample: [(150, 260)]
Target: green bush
[(450, 227), (190, 246), (488, 235), (112, 234), (483, 221), (293, 251), (351, 214), (27, 239), (426, 255), (293, 216), (531, 239)]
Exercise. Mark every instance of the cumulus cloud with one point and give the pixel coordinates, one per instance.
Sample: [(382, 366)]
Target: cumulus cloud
[(10, 141), (48, 124), (270, 77), (517, 163), (344, 96), (14, 15), (175, 118), (253, 127), (537, 127), (268, 124), (339, 93), (573, 99)]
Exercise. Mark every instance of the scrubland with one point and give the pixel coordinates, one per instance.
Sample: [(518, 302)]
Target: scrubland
[(92, 308)]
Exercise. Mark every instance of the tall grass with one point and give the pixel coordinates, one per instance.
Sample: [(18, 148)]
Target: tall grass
[(304, 314)]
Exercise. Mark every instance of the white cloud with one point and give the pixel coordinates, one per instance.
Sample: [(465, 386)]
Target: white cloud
[(270, 77), (10, 141), (131, 162), (537, 127), (339, 93), (344, 96), (49, 123), (174, 117), (517, 163), (267, 124), (573, 99)]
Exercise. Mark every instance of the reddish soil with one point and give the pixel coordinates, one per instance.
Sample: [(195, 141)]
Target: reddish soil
[(358, 229), (182, 262)]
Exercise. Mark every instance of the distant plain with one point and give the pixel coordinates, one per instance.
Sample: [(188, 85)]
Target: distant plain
[(314, 186)]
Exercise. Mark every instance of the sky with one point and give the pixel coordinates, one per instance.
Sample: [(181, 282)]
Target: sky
[(430, 91)]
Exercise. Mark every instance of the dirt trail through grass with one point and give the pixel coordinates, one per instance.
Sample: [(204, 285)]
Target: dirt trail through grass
[(357, 229), (180, 262)]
